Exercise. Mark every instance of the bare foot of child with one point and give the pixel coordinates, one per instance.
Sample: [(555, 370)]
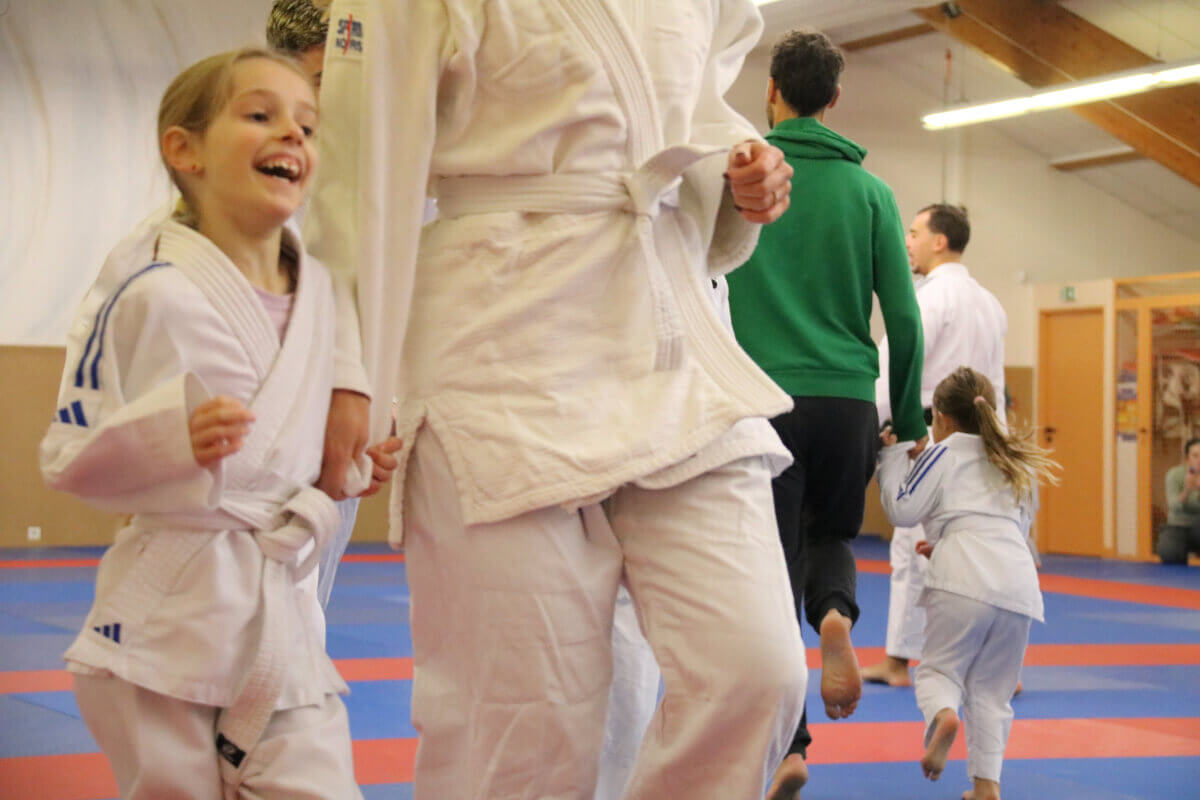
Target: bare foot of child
[(841, 683), (789, 779), (892, 671), (945, 728), (984, 790)]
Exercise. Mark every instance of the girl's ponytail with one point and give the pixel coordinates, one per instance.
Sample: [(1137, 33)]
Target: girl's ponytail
[(964, 397)]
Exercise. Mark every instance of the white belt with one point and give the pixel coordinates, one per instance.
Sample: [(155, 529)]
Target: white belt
[(312, 516), (642, 193)]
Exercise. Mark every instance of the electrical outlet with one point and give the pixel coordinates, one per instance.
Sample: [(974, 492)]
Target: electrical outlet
[(33, 533)]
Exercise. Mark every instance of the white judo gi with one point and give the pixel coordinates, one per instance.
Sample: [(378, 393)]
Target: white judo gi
[(552, 346), (139, 248), (205, 634), (981, 590), (636, 677), (964, 325)]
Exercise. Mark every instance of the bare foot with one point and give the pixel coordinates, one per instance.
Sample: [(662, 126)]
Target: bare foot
[(789, 779), (945, 728), (892, 671), (1020, 688), (841, 683), (984, 790)]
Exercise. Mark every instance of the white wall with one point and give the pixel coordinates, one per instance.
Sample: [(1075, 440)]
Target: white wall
[(80, 82), (1026, 217)]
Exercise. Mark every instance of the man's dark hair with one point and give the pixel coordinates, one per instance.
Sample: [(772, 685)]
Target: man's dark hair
[(805, 66), (1187, 448), (950, 221), (295, 26)]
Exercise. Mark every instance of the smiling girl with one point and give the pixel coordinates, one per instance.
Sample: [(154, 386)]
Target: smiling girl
[(194, 398)]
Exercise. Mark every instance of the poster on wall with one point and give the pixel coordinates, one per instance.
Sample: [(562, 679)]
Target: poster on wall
[(1127, 419), (1177, 401)]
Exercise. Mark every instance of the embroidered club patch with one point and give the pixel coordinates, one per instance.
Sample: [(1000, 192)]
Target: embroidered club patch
[(349, 37)]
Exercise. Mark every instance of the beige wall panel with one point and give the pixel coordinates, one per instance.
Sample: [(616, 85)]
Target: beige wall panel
[(24, 501)]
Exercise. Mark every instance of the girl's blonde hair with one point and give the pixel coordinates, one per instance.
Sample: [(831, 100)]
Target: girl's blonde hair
[(967, 398), (196, 97)]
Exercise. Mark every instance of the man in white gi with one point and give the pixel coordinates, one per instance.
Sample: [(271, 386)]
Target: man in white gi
[(964, 325), (573, 409)]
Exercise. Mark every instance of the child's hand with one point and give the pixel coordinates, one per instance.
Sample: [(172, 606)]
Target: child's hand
[(924, 548), (887, 437), (384, 464), (919, 447), (217, 428)]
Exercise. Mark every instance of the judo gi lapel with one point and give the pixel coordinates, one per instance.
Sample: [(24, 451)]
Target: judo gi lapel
[(226, 288), (615, 46), (281, 368), (291, 373)]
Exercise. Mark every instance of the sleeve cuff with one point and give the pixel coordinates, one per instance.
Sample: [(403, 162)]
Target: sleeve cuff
[(351, 376)]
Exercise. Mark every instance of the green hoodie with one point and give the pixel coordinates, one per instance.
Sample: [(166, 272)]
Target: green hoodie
[(801, 305)]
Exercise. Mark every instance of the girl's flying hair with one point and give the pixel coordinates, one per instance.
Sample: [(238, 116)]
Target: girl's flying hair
[(968, 398)]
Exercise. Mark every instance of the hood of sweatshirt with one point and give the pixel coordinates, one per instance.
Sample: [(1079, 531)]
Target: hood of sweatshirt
[(806, 137)]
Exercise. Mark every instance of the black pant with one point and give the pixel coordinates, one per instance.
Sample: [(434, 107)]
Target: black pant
[(1176, 541), (819, 503)]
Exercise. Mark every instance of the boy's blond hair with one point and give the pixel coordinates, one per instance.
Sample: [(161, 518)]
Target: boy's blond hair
[(295, 26)]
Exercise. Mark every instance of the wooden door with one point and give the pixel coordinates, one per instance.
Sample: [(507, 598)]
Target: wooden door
[(1071, 423)]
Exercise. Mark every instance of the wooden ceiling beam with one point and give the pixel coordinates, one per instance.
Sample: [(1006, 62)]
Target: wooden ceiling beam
[(887, 37), (1103, 158), (1044, 44)]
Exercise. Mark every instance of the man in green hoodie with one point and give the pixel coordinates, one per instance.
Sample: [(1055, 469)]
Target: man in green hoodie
[(801, 308)]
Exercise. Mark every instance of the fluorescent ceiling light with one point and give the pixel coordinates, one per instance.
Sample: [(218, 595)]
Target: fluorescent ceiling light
[(1118, 84)]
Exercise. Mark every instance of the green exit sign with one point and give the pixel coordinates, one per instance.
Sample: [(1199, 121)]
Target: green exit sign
[(1067, 294)]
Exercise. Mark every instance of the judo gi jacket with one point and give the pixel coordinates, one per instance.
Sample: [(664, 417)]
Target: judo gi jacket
[(970, 515), (208, 594), (552, 326), (964, 325)]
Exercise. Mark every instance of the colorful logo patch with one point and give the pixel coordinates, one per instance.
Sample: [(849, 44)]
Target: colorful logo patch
[(349, 37)]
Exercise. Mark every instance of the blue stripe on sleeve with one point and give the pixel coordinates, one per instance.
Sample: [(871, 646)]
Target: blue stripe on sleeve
[(912, 483), (921, 459), (77, 412), (98, 333), (88, 347), (64, 416)]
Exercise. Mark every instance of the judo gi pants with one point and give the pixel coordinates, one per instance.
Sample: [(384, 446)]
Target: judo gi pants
[(161, 747), (972, 659), (512, 626), (631, 700), (906, 618), (819, 504)]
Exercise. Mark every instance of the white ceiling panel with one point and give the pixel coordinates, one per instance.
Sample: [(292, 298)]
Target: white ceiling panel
[(1168, 30)]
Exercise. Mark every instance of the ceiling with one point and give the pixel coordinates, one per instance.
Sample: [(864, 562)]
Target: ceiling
[(1167, 30)]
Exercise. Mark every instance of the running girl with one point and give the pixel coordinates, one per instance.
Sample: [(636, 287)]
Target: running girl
[(971, 491), (194, 397)]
